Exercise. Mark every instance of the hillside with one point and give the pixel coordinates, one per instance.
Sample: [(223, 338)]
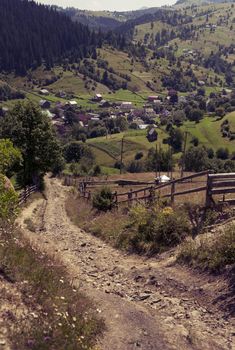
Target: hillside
[(199, 2), (188, 52), (160, 43), (25, 43)]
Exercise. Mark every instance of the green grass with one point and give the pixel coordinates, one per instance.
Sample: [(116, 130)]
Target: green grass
[(126, 95), (208, 132), (210, 253), (108, 151), (109, 171)]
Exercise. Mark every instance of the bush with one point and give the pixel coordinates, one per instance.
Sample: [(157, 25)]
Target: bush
[(211, 253), (139, 155), (103, 199), (136, 166), (97, 170), (222, 153), (159, 228), (8, 200)]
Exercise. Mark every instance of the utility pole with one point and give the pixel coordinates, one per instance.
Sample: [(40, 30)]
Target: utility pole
[(171, 162), (122, 149), (156, 160), (184, 151), (159, 160)]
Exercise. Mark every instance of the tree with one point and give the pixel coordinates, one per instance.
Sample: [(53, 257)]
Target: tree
[(75, 151), (179, 117), (122, 123), (176, 139), (222, 153), (159, 160), (196, 159), (31, 131), (30, 42), (220, 112), (196, 115), (9, 156)]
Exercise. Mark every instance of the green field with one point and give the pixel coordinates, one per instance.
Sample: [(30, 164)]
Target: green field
[(208, 132), (108, 150)]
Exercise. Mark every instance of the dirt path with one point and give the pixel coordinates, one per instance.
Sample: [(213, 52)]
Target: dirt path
[(147, 304)]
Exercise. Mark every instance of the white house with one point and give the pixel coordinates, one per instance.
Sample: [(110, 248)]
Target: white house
[(143, 126), (126, 105), (73, 103), (44, 92)]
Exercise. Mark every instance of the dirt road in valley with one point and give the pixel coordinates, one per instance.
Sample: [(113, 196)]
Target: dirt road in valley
[(148, 304)]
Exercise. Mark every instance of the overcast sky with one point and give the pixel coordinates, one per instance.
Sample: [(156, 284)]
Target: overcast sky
[(119, 5)]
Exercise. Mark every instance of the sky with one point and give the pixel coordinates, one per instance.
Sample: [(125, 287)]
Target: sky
[(120, 5)]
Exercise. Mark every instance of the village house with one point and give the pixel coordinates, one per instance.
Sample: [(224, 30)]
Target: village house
[(152, 135), (61, 94), (3, 111), (126, 105), (201, 83), (44, 104), (84, 118), (104, 104), (143, 126), (44, 92), (97, 98), (49, 114), (73, 103), (153, 98)]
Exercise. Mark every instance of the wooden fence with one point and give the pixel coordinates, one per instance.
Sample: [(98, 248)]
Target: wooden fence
[(220, 184), (26, 193), (210, 185)]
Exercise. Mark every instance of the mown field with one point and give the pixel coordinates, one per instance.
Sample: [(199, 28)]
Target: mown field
[(108, 150), (209, 134)]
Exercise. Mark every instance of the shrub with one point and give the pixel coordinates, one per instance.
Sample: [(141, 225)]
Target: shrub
[(222, 153), (211, 253), (103, 199), (136, 166), (8, 200), (159, 228), (97, 170), (139, 155)]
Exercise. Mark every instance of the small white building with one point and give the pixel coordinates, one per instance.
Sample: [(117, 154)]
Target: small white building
[(162, 179), (143, 126), (44, 92), (126, 105), (73, 103), (201, 83)]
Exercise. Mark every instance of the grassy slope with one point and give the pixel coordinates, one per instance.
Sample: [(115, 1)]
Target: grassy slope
[(208, 41), (208, 132), (108, 151)]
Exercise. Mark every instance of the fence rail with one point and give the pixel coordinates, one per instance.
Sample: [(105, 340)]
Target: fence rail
[(211, 184), (26, 193)]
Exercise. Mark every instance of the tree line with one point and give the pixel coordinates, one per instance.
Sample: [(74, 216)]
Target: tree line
[(32, 34)]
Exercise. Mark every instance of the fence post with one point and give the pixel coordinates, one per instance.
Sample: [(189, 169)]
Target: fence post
[(115, 200), (130, 198), (208, 192), (173, 193), (151, 195), (25, 194), (89, 196)]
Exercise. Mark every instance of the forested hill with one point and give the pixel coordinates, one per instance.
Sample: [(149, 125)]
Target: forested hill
[(31, 34)]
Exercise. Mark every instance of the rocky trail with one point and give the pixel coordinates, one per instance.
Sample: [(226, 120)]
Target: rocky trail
[(146, 303)]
